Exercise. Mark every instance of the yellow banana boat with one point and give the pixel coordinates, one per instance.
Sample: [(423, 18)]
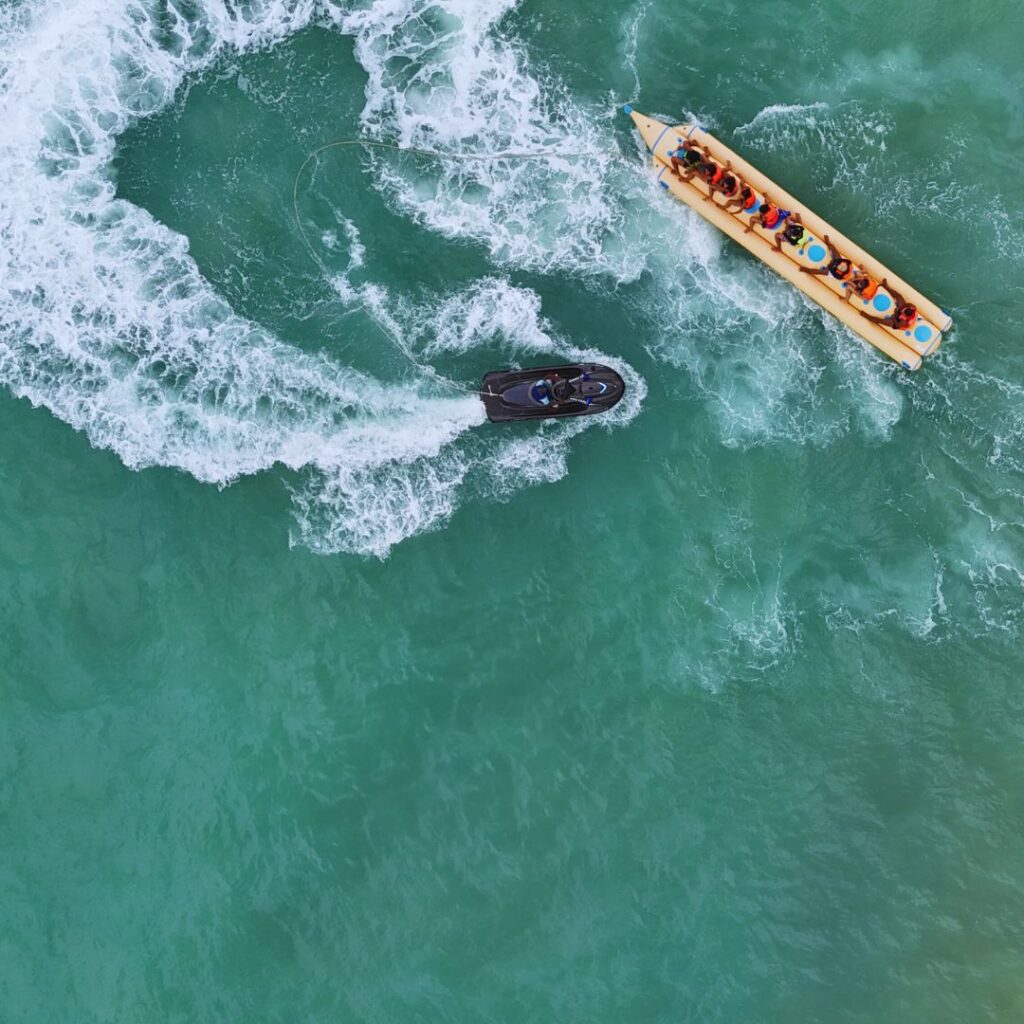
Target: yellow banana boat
[(907, 345)]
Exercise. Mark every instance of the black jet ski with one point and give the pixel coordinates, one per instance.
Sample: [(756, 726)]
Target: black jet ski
[(548, 391)]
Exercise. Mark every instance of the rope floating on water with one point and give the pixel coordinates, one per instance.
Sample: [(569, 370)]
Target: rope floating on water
[(416, 151)]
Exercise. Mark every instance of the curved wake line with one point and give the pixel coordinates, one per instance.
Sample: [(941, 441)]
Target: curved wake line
[(780, 110), (393, 337), (108, 322)]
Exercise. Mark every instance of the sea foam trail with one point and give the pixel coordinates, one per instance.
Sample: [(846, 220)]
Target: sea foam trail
[(107, 322), (459, 87), (443, 77), (770, 366)]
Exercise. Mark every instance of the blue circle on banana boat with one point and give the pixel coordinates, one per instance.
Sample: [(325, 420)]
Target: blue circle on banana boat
[(816, 253), (923, 333), (882, 303)]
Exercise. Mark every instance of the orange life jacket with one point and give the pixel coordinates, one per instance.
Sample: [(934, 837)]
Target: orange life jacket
[(771, 215), (870, 289), (906, 316), (752, 203)]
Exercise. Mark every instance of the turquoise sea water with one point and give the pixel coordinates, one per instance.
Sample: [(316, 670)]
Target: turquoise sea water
[(325, 701)]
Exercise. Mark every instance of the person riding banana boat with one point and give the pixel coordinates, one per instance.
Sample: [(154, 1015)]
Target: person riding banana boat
[(794, 233), (716, 176), (748, 201), (838, 267), (861, 286), (735, 197), (769, 217), (685, 160), (904, 313), (690, 160), (729, 187)]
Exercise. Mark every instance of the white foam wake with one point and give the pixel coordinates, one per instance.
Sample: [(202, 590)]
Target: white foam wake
[(107, 321), (448, 80), (442, 78)]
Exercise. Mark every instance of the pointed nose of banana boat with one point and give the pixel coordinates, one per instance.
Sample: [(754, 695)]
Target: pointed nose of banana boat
[(654, 133)]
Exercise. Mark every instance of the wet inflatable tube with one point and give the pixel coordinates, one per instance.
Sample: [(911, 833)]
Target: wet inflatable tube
[(545, 392), (907, 345)]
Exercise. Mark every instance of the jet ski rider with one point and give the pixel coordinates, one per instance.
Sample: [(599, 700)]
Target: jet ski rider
[(541, 392), (545, 391)]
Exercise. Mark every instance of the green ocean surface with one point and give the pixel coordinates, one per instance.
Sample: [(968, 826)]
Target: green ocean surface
[(324, 700)]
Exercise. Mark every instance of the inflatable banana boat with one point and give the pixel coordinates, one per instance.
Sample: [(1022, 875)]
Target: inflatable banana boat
[(907, 342)]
